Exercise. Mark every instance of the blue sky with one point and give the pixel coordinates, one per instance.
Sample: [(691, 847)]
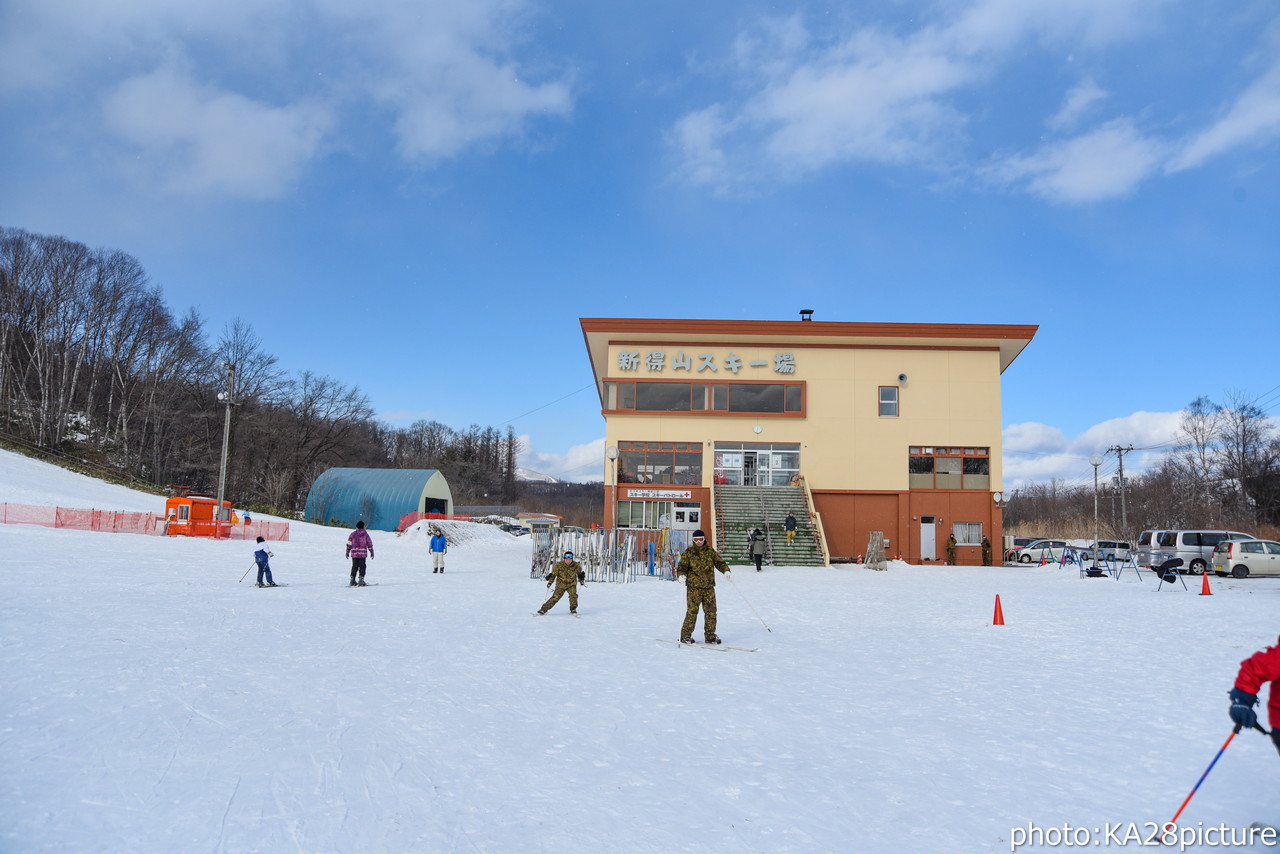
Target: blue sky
[(422, 198)]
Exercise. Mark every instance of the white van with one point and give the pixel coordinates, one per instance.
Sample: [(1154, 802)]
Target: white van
[(1148, 547), (1195, 547)]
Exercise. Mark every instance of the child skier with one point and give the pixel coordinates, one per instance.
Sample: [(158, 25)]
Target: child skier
[(261, 552), (439, 548), (359, 546)]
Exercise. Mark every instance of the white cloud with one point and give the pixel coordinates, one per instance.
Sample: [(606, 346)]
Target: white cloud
[(869, 96), (277, 78), (1038, 453), (580, 464), (1252, 119), (1105, 163), (1076, 103), (197, 138)]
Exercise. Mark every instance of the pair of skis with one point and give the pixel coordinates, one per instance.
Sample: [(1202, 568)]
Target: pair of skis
[(719, 647)]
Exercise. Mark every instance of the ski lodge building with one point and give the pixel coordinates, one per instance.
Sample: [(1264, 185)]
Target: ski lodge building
[(855, 428)]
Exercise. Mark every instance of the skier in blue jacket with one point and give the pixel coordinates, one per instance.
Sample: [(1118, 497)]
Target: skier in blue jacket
[(439, 548)]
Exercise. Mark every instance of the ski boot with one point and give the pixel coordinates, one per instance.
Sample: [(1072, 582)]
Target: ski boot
[(713, 639), (686, 640)]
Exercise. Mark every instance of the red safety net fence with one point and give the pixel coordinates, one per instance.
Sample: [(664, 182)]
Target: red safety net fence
[(126, 522)]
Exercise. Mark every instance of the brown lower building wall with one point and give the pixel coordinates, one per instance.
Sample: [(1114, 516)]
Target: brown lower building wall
[(848, 518)]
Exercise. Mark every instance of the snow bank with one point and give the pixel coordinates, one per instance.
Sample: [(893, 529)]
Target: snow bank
[(153, 702)]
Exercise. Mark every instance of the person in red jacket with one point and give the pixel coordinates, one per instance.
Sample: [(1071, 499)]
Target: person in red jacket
[(1260, 667), (359, 545)]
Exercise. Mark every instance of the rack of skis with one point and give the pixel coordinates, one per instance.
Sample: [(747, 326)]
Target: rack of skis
[(619, 555)]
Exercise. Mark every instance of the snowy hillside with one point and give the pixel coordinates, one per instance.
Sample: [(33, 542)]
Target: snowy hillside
[(531, 475), (153, 702)]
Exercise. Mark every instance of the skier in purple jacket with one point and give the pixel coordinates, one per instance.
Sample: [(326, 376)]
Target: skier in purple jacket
[(358, 547)]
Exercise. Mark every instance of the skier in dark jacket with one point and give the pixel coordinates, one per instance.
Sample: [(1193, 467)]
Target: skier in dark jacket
[(565, 574), (758, 546), (261, 552), (1260, 667), (697, 571), (359, 546)]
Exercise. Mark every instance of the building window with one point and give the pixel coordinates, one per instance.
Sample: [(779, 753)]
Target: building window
[(749, 398), (968, 533), (930, 467), (889, 401), (660, 462)]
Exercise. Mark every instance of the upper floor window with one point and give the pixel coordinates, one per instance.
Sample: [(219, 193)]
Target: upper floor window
[(930, 467), (889, 400), (753, 398)]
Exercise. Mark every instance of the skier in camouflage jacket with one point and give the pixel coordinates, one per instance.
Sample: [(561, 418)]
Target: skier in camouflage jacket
[(697, 570), (566, 574)]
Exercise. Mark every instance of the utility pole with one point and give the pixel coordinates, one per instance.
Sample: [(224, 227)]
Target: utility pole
[(228, 398), (1124, 516)]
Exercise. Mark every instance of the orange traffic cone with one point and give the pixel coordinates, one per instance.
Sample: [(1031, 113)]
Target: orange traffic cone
[(1204, 588), (998, 620)]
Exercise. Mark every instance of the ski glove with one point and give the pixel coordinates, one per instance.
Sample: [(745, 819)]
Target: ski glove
[(582, 576), (547, 577), (1241, 710)]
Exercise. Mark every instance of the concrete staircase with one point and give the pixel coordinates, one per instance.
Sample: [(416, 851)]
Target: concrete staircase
[(741, 509)]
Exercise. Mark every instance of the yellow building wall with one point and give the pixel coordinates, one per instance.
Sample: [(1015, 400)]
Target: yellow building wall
[(950, 397)]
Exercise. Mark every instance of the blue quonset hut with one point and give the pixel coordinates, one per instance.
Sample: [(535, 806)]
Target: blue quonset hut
[(378, 497)]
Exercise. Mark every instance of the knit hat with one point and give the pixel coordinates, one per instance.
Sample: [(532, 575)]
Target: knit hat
[(698, 533)]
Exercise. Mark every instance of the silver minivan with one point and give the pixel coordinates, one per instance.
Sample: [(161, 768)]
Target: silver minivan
[(1195, 547), (1148, 548)]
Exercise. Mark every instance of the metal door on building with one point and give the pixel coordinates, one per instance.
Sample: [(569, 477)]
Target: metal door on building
[(928, 538), (750, 466), (687, 518)]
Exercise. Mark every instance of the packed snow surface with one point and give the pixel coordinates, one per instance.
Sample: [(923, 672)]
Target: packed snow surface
[(154, 702)]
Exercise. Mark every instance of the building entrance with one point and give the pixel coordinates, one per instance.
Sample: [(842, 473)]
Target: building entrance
[(928, 538), (756, 463)]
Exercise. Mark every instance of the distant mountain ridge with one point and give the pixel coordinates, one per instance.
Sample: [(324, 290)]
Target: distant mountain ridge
[(534, 476)]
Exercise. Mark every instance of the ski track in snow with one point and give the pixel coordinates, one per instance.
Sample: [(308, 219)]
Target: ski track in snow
[(153, 703)]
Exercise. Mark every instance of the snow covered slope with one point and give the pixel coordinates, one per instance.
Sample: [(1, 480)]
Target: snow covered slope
[(152, 702)]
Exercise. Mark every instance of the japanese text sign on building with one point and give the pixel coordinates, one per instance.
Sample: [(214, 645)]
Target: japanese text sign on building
[(655, 361), (676, 494)]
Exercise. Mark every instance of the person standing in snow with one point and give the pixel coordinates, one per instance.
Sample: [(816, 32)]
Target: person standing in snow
[(757, 548), (951, 549), (1260, 667), (439, 548), (790, 525), (261, 552), (359, 546), (986, 552), (697, 572), (565, 574)]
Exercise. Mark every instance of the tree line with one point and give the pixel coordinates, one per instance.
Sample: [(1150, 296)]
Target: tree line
[(93, 363), (1221, 471)]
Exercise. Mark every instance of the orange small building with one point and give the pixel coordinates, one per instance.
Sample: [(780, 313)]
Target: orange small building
[(193, 516)]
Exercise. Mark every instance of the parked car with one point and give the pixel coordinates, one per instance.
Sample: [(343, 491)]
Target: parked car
[(572, 529), (1242, 558), (1033, 551), (1113, 549), (1148, 548), (1010, 554), (514, 530), (1195, 546)]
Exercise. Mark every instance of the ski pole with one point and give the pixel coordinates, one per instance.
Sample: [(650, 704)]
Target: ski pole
[(748, 601), (1168, 828), (247, 571)]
